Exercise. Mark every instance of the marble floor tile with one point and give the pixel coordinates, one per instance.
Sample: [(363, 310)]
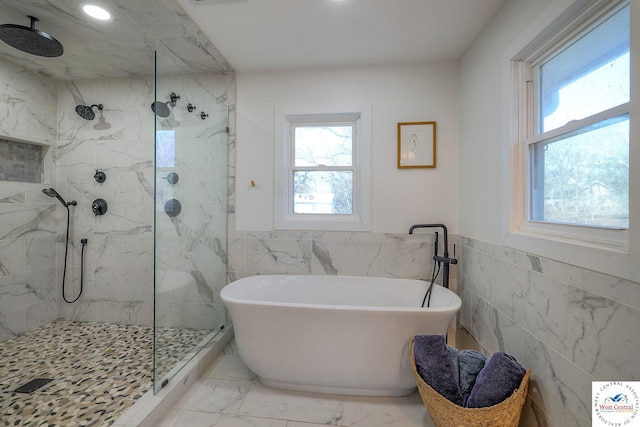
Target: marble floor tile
[(232, 368), (269, 402), (228, 394), (405, 411), (207, 419), (216, 396)]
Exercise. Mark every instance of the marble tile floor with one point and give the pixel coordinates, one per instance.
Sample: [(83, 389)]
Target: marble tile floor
[(98, 371), (229, 395)]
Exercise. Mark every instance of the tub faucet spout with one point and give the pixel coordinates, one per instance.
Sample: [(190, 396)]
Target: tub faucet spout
[(445, 259)]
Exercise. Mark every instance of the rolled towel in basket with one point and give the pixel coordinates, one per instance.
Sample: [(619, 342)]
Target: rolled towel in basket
[(435, 367), (470, 363), (455, 356), (500, 377)]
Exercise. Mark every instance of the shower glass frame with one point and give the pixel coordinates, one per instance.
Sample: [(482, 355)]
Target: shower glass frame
[(190, 247)]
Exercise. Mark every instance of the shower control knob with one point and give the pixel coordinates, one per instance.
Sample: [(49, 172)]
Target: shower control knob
[(172, 178), (100, 176), (99, 207)]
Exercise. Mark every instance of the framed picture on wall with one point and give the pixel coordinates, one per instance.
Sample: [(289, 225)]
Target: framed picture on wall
[(416, 145)]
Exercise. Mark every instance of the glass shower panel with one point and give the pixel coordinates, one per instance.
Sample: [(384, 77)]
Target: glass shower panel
[(191, 156)]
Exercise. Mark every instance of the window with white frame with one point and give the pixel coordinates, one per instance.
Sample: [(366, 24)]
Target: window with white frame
[(574, 126), (323, 170)]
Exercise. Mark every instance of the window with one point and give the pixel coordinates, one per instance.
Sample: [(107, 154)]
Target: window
[(576, 136), (323, 161)]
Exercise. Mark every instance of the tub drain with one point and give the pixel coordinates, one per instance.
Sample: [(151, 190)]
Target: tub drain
[(32, 385)]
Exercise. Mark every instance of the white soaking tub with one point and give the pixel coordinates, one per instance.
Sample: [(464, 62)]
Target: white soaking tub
[(334, 334)]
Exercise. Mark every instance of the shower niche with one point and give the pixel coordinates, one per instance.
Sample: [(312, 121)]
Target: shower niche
[(22, 161)]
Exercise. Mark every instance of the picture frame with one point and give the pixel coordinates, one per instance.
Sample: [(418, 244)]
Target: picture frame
[(416, 145)]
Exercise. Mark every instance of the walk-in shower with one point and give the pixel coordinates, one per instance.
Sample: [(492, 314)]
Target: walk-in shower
[(139, 294)]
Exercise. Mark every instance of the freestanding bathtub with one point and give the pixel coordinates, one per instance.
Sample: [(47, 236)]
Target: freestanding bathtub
[(334, 334)]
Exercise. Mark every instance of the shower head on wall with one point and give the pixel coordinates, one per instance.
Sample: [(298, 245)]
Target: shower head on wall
[(30, 40), (86, 112), (162, 108), (53, 193)]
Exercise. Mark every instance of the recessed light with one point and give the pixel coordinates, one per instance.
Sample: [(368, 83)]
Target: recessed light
[(96, 12)]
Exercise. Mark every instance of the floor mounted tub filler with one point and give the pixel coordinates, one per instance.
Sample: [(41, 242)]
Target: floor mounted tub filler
[(334, 334)]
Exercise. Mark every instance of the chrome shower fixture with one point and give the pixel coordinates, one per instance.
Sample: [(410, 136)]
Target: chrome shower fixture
[(86, 111), (30, 40), (191, 108), (162, 108), (203, 115)]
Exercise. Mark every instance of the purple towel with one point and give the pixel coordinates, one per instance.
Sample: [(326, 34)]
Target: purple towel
[(434, 365), (471, 363), (500, 377)]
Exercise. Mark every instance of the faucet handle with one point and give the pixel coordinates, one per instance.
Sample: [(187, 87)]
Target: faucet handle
[(446, 260)]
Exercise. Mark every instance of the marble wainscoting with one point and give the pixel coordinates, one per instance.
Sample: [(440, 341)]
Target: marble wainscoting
[(569, 325), (331, 253)]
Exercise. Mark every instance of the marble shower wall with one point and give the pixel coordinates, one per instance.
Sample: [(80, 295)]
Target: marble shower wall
[(569, 325), (119, 264), (28, 219)]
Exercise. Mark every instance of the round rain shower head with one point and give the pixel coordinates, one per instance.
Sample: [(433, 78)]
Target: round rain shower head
[(30, 40), (86, 112), (161, 109)]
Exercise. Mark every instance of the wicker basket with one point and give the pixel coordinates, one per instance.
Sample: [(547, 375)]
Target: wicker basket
[(447, 414)]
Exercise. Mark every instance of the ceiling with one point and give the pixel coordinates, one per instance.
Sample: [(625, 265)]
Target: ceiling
[(292, 34), (195, 36)]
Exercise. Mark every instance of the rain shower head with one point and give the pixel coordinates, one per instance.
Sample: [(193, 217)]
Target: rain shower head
[(53, 193), (30, 40), (86, 112)]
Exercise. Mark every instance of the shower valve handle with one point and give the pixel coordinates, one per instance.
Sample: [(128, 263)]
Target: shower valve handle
[(99, 207)]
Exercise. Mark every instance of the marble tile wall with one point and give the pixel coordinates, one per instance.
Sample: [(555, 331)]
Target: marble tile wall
[(331, 253), (119, 262), (569, 325), (28, 219)]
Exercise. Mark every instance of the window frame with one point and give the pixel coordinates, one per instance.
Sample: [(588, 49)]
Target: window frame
[(286, 119), (533, 133), (611, 251)]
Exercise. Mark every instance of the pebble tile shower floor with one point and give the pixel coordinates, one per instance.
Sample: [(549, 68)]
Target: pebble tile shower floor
[(98, 371)]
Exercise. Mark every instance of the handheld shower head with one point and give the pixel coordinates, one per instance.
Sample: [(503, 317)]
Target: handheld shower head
[(86, 111), (53, 193)]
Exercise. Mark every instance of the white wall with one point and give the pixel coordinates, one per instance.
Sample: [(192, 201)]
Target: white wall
[(484, 111), (570, 325), (401, 93)]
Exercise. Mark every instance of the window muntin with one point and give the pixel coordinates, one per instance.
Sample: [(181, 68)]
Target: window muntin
[(323, 169), (579, 149)]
